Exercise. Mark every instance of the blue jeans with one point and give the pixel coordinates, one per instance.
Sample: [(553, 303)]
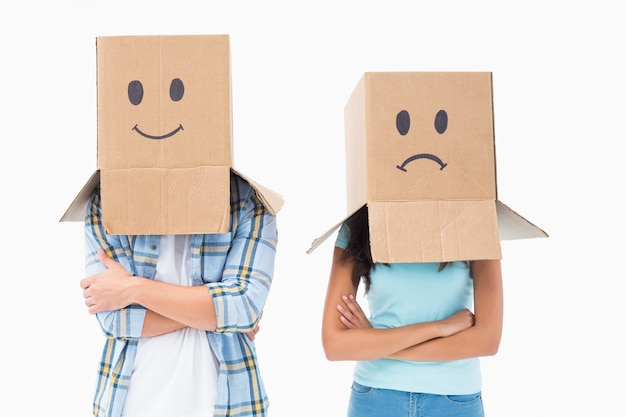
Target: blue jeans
[(377, 402)]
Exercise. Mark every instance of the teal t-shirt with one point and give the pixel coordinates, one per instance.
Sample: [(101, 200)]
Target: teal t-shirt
[(407, 293)]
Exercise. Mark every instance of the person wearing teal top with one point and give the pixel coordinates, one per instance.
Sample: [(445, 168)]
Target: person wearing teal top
[(417, 354)]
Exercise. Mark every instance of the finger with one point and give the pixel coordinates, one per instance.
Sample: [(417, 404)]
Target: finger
[(347, 323), (90, 304), (346, 317), (252, 334), (353, 303), (84, 283), (345, 313), (353, 306), (105, 259)]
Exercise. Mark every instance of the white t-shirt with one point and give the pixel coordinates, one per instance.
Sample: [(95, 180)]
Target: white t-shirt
[(175, 374)]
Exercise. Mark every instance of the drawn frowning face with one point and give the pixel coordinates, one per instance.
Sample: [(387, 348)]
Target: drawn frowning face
[(403, 124), (414, 136)]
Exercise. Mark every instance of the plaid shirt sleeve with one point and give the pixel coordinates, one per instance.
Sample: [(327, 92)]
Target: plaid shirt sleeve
[(240, 296), (126, 323)]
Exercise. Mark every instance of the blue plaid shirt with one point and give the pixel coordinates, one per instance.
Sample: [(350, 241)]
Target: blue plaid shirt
[(236, 267)]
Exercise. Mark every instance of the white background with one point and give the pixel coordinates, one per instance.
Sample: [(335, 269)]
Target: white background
[(559, 96)]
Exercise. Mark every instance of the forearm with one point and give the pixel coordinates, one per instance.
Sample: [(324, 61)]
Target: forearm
[(156, 325), (179, 305), (469, 343), (368, 343), (483, 339)]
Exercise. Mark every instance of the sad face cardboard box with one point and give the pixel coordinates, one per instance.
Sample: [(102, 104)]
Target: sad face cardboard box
[(164, 136), (420, 153)]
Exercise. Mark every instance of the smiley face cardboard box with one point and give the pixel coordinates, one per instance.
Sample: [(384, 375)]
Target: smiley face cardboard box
[(420, 154), (164, 136)]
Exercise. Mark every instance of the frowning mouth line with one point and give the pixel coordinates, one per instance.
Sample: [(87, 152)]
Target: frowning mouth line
[(422, 156), (167, 135)]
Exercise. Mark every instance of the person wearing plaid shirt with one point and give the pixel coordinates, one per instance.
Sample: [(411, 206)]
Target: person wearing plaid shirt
[(231, 275)]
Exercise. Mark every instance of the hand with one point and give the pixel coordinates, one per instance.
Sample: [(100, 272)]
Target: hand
[(252, 333), (106, 290), (352, 316), (457, 322)]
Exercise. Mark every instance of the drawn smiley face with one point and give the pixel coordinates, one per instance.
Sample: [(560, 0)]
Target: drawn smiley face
[(403, 125), (135, 96), (164, 101)]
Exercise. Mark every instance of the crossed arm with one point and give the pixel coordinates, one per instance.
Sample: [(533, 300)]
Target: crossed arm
[(130, 306), (347, 334), (169, 307)]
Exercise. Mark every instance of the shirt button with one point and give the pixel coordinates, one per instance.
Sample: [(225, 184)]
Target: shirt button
[(153, 247)]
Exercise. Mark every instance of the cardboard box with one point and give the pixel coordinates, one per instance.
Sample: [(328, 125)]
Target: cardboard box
[(420, 153), (164, 136)]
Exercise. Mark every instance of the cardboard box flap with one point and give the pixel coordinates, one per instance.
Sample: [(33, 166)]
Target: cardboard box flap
[(271, 199), (513, 226), (158, 201), (317, 242), (76, 210), (402, 232), (433, 231), (510, 226)]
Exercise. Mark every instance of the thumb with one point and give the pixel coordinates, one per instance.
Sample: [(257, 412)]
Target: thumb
[(105, 259)]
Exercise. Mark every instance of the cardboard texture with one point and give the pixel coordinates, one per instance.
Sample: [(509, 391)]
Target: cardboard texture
[(420, 153), (165, 150)]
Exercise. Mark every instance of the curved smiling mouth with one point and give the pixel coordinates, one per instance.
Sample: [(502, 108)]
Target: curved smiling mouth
[(167, 135), (433, 158)]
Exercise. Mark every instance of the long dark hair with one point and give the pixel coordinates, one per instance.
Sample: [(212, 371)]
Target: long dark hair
[(359, 250)]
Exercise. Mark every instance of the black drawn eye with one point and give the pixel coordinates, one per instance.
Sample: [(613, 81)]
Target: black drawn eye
[(403, 122), (177, 89), (135, 92), (441, 121)]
